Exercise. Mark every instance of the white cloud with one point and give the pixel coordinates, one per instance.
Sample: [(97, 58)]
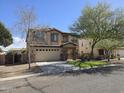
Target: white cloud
[(17, 43)]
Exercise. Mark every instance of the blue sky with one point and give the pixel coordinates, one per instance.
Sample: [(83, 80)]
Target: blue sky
[(55, 13)]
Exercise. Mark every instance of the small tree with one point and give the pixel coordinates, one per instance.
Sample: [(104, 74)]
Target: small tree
[(26, 21), (26, 18), (5, 36), (109, 45)]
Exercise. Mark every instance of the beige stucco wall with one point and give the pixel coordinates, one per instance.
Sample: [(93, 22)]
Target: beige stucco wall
[(47, 38), (86, 48), (70, 38)]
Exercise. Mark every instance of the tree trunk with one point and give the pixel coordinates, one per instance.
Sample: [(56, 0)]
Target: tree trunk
[(108, 55), (29, 58), (108, 59), (92, 52)]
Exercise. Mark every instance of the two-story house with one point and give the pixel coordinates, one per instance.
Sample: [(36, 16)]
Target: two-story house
[(50, 44)]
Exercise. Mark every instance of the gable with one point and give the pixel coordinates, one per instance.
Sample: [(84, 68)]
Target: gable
[(69, 45), (54, 31)]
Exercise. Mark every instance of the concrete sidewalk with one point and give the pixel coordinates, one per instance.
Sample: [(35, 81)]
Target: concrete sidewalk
[(50, 63), (115, 61), (20, 77)]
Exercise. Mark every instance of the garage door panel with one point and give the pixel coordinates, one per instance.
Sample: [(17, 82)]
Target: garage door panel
[(51, 54), (121, 53)]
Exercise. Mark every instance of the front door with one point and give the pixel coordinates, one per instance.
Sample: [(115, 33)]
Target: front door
[(69, 50)]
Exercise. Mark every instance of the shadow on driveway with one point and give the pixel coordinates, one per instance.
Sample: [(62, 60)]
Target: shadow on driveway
[(100, 70)]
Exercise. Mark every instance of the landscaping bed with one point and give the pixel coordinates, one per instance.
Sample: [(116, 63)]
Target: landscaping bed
[(87, 64)]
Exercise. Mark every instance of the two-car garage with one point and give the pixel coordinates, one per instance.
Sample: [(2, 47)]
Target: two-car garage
[(46, 54)]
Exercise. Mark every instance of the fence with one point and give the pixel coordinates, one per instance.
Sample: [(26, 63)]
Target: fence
[(13, 58), (2, 58)]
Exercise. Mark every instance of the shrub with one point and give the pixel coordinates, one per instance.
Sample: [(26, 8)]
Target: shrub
[(112, 56), (85, 56)]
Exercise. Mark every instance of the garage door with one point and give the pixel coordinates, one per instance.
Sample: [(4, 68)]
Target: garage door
[(47, 54), (121, 52)]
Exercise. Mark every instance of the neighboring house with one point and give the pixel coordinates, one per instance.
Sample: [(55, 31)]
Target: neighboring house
[(85, 47), (50, 44), (19, 55), (120, 51), (16, 55)]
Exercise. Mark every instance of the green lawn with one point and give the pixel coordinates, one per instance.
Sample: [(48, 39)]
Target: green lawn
[(87, 64)]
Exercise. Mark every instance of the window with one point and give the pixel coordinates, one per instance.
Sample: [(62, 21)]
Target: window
[(39, 36), (54, 37), (36, 49)]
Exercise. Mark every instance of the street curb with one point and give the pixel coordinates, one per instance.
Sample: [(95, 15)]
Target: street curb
[(111, 65)]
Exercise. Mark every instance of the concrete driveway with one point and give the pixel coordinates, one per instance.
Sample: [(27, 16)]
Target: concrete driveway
[(55, 67)]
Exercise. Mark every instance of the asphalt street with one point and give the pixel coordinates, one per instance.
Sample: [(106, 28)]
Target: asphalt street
[(107, 80)]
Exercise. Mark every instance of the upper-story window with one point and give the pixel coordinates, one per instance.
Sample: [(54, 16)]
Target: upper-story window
[(65, 38), (54, 37), (39, 36)]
